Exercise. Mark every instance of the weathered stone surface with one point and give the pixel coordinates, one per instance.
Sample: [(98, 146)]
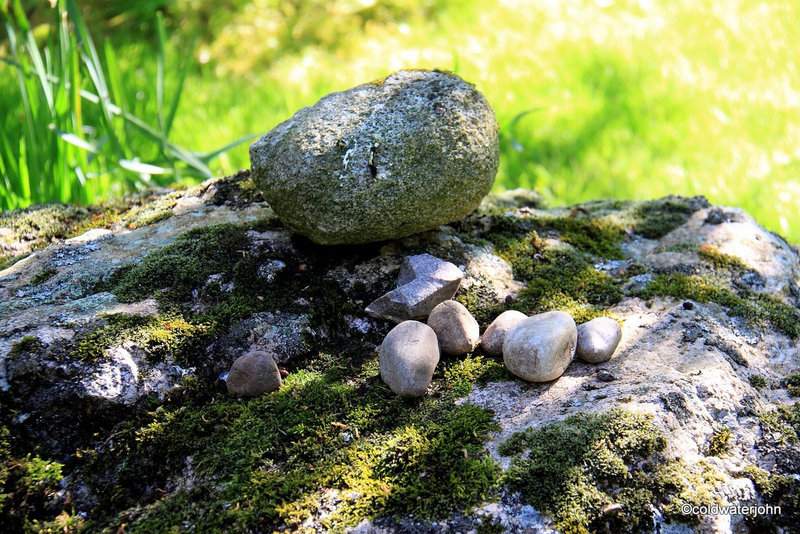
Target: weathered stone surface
[(540, 348), (598, 339), (119, 379), (424, 282), (494, 336), (456, 329), (382, 160), (408, 357), (699, 361), (283, 335), (253, 374), (428, 266)]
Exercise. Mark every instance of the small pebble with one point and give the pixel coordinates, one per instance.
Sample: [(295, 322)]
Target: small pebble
[(604, 375), (456, 329), (424, 281), (495, 334), (540, 348), (408, 357), (253, 374), (598, 339)]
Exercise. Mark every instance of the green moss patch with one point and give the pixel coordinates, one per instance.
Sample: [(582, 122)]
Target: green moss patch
[(37, 226), (782, 425), (778, 491), (161, 337), (43, 276), (26, 345), (656, 218), (559, 279), (758, 381), (793, 384), (27, 482), (597, 236), (602, 473), (758, 308), (331, 430), (567, 281), (719, 443), (721, 260), (44, 222), (172, 272)]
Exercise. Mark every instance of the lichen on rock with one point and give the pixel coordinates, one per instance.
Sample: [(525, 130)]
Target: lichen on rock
[(382, 160)]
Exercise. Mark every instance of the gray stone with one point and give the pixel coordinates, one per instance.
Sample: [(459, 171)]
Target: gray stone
[(424, 281), (426, 265), (382, 160), (408, 357), (495, 334), (456, 329), (604, 375), (598, 339), (540, 348), (253, 374)]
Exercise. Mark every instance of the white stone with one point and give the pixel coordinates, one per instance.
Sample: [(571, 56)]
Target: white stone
[(540, 348), (598, 339)]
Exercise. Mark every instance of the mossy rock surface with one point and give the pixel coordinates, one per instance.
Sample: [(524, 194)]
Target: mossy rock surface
[(381, 161), (113, 345)]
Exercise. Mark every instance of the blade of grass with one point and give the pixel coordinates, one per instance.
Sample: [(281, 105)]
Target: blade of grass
[(207, 157), (29, 134), (176, 95), (92, 62), (115, 82), (142, 168), (160, 60), (75, 96), (74, 140), (160, 56)]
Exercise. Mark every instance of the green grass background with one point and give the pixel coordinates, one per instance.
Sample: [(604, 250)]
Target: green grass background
[(622, 99)]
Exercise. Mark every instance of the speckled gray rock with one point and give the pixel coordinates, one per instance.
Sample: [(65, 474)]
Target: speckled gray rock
[(495, 334), (456, 329), (540, 348), (426, 265), (253, 374), (598, 339), (408, 357), (424, 281), (382, 160)]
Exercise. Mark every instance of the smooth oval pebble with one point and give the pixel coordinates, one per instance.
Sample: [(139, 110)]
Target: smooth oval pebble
[(408, 357), (495, 334), (380, 161), (253, 374), (456, 329), (540, 348), (598, 339)]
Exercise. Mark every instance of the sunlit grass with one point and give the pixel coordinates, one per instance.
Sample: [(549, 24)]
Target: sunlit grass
[(625, 99), (70, 132)]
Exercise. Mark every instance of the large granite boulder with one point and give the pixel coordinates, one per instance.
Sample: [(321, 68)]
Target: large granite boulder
[(382, 160)]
